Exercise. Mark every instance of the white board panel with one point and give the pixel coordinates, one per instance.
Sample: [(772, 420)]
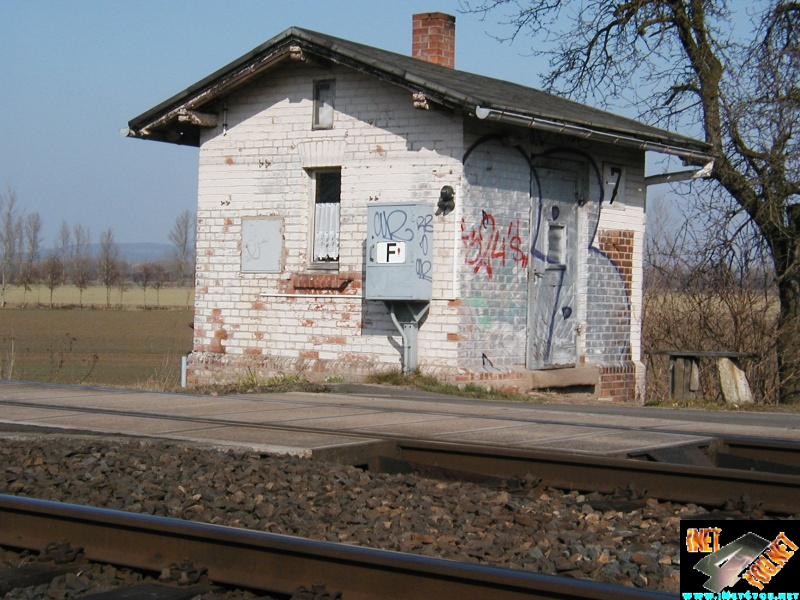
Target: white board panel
[(262, 245)]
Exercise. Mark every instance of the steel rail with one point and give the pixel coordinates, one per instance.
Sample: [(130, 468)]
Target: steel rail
[(713, 486), (781, 452), (279, 563)]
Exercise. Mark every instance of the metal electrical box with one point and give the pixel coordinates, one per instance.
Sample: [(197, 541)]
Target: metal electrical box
[(399, 252)]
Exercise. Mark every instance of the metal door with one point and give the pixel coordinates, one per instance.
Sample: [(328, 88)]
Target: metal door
[(552, 314)]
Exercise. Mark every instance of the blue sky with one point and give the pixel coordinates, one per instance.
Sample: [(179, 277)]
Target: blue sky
[(75, 72)]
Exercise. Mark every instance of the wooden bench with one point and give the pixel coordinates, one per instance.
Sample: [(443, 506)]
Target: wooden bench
[(684, 373)]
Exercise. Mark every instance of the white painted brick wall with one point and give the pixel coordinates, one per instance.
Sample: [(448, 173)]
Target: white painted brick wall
[(388, 152)]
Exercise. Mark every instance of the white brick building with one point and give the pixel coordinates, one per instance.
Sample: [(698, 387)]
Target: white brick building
[(537, 265)]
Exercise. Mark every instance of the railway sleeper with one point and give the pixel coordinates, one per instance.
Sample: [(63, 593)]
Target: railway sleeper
[(57, 559), (33, 574)]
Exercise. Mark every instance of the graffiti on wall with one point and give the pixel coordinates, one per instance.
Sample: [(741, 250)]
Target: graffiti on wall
[(424, 230), (488, 245), (493, 242), (400, 226)]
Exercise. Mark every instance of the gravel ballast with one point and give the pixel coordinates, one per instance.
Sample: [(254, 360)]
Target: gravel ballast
[(522, 526)]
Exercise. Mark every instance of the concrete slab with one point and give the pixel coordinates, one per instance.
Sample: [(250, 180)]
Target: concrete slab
[(232, 410), (592, 429), (394, 403), (113, 424), (435, 425), (368, 423), (524, 435), (48, 393), (618, 443), (723, 429), (16, 414), (272, 441), (300, 416)]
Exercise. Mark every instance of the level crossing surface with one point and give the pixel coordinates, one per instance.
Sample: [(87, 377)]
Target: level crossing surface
[(322, 424)]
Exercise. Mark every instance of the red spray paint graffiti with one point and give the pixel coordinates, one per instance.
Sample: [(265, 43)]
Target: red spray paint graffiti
[(487, 245)]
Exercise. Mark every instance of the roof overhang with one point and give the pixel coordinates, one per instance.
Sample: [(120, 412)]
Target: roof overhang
[(181, 119), (689, 156)]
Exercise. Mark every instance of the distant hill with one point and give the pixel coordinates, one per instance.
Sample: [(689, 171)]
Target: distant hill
[(141, 251)]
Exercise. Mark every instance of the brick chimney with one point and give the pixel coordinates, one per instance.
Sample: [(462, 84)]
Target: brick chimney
[(434, 38)]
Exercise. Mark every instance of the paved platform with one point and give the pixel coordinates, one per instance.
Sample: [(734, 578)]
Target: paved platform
[(310, 424)]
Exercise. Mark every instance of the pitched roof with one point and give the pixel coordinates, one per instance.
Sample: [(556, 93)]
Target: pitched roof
[(176, 120)]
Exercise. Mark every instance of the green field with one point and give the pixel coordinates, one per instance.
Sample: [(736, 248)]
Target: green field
[(129, 348), (95, 296)]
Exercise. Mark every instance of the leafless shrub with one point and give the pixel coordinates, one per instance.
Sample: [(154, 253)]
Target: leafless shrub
[(705, 291)]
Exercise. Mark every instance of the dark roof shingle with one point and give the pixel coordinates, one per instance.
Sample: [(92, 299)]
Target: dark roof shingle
[(450, 87)]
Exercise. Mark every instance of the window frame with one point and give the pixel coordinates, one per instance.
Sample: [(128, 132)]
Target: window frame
[(317, 120), (315, 194)]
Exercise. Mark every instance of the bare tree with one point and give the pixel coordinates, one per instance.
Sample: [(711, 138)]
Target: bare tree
[(53, 273), (108, 265), (182, 238), (159, 278), (10, 241), (82, 273), (687, 63), (143, 276), (65, 248), (32, 231)]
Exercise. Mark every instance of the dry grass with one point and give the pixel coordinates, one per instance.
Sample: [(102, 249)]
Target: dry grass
[(139, 348)]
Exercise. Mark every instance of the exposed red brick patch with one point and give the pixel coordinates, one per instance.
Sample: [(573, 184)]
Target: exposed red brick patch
[(455, 337), (351, 357), (253, 351), (320, 282), (309, 354), (618, 246), (618, 383)]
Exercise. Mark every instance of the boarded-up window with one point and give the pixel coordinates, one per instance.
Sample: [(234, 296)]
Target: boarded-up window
[(323, 104), (262, 245), (327, 193)]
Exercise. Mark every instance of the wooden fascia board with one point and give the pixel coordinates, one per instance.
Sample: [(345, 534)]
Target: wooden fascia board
[(191, 100)]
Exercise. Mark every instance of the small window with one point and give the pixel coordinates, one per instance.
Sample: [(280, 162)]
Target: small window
[(327, 189), (323, 104), (556, 245)]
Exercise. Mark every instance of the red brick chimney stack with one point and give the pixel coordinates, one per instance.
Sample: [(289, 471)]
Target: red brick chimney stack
[(434, 38)]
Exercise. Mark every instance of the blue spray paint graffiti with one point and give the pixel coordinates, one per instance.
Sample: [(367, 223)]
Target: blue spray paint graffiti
[(600, 262), (424, 265)]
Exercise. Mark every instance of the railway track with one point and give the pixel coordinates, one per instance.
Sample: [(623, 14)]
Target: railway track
[(716, 474), (705, 484), (279, 564), (721, 472)]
